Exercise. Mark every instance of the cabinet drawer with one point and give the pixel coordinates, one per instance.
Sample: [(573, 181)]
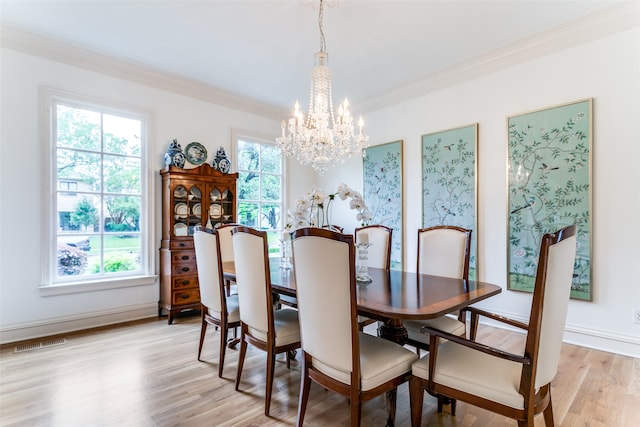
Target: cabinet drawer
[(186, 296), (185, 282), (183, 257), (181, 244), (182, 268)]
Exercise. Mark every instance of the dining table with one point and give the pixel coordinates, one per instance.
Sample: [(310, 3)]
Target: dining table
[(393, 296)]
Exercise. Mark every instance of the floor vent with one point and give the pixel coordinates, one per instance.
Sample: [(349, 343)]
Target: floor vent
[(38, 345)]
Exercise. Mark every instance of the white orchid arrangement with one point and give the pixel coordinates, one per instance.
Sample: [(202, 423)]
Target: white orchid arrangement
[(310, 209)]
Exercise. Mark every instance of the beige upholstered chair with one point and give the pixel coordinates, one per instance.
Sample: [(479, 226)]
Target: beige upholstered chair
[(379, 254), (216, 309), (335, 353), (442, 251), (273, 331), (516, 386), (226, 246)]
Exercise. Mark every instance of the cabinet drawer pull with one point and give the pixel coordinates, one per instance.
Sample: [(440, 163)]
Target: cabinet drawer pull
[(185, 257), (185, 269), (182, 244), (185, 296), (185, 282)]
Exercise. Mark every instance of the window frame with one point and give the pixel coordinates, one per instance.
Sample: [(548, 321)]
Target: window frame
[(263, 140), (49, 99)]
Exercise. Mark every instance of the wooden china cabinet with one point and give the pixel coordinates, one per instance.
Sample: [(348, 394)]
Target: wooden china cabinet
[(199, 196)]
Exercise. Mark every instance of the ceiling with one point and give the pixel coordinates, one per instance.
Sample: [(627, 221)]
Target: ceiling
[(262, 50)]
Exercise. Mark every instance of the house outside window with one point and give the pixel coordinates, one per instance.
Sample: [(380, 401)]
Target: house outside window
[(98, 192)]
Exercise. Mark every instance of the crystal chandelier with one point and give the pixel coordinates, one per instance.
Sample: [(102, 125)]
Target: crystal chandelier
[(320, 140)]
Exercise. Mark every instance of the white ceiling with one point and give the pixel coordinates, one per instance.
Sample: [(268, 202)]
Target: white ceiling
[(263, 49)]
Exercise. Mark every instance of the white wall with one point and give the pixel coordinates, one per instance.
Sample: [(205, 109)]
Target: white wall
[(607, 70), (24, 311)]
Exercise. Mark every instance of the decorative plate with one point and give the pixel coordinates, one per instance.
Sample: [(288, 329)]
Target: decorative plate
[(182, 210), (180, 229), (215, 210), (180, 192), (195, 193), (196, 153), (196, 209)]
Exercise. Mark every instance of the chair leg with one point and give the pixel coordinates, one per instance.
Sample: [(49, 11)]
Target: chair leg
[(203, 332), (356, 411), (243, 351), (305, 387), (439, 404), (548, 411), (271, 364), (224, 333), (391, 397), (416, 396), (453, 407)]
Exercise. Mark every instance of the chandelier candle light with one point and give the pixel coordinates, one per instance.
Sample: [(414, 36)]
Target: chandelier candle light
[(319, 140)]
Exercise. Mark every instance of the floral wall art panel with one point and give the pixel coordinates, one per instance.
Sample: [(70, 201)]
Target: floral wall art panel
[(549, 173), (382, 191), (449, 181)]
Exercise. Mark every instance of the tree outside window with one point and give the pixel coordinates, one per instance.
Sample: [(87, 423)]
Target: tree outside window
[(98, 167), (260, 187)]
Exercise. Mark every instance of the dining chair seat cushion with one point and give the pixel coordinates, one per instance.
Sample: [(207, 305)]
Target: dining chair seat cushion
[(287, 327), (380, 361), (444, 323), (233, 310), (476, 373)]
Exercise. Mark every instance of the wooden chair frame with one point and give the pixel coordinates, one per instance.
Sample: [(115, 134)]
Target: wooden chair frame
[(223, 322), (352, 391), (222, 227), (465, 274), (269, 345), (534, 402)]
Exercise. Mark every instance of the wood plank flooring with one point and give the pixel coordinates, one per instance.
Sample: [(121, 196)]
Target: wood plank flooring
[(146, 374)]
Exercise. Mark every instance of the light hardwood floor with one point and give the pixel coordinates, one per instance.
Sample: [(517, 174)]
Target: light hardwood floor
[(146, 374)]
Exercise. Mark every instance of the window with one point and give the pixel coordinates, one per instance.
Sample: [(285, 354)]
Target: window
[(260, 186), (99, 231)]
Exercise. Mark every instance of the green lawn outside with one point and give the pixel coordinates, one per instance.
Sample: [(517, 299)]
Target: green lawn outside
[(112, 242)]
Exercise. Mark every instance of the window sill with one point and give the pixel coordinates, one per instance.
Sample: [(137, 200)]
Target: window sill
[(98, 285)]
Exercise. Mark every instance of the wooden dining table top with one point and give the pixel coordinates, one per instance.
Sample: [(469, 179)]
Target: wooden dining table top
[(395, 294)]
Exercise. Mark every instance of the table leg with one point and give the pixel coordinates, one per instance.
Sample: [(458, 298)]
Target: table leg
[(393, 330)]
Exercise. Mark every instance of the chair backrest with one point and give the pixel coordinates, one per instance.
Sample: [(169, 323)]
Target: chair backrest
[(253, 278), (550, 303), (324, 267), (380, 250), (226, 243), (207, 247), (444, 250)]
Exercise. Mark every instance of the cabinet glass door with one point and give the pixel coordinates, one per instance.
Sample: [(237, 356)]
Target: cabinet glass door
[(180, 211)]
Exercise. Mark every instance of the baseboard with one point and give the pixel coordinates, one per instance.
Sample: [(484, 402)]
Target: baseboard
[(61, 325), (625, 345)]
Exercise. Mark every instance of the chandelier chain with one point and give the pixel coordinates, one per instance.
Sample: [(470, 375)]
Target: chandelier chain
[(323, 44), (322, 139)]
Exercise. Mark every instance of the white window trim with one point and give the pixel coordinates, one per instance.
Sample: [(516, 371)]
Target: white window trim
[(47, 98), (263, 139)]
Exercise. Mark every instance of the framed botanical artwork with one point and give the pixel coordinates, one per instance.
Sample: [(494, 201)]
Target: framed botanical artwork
[(382, 192), (549, 187), (449, 181)]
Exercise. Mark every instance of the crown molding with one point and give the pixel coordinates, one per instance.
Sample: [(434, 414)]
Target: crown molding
[(620, 17), (78, 56)]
